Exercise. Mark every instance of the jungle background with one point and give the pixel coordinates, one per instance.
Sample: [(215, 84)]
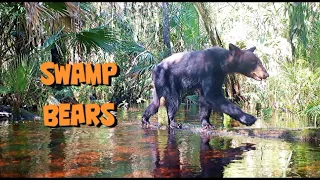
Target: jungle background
[(138, 35)]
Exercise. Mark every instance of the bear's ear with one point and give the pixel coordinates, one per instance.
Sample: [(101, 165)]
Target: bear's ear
[(252, 49), (234, 49)]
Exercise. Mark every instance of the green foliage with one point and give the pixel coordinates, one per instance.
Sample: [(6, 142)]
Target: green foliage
[(193, 99), (227, 121), (49, 42), (4, 90), (293, 90), (64, 93), (144, 62), (297, 25), (133, 80), (57, 6), (267, 113), (184, 23), (95, 39), (304, 24), (18, 76), (313, 110)]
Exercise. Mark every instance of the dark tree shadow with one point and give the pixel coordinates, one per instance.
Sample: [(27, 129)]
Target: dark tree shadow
[(169, 166), (57, 151)]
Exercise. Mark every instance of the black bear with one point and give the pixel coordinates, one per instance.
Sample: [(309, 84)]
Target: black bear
[(204, 70)]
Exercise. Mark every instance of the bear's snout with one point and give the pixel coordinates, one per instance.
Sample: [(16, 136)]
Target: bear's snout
[(259, 73), (265, 75)]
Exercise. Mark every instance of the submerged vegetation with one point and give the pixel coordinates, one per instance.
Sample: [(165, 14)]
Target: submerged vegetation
[(138, 35)]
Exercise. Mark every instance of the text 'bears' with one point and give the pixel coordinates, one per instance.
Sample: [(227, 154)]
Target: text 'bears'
[(76, 114)]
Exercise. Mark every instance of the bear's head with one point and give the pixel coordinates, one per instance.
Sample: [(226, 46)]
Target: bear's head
[(247, 63)]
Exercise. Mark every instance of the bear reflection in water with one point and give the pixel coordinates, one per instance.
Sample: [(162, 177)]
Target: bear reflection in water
[(212, 160)]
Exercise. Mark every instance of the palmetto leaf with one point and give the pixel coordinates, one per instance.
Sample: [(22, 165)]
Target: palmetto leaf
[(145, 61), (19, 75), (92, 39), (314, 110), (65, 8), (193, 98), (97, 38)]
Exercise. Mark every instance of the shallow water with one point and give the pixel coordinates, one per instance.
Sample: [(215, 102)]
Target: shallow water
[(30, 149)]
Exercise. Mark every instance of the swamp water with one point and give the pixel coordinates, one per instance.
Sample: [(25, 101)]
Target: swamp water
[(29, 149)]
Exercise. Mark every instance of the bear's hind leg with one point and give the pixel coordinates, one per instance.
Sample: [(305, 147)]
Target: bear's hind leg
[(204, 113), (152, 108), (172, 104)]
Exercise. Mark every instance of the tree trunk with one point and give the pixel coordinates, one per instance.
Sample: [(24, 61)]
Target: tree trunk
[(16, 107), (166, 29), (125, 9), (233, 88), (203, 12)]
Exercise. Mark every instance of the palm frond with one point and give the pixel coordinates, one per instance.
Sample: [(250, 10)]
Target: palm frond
[(66, 8), (97, 38), (33, 11), (19, 74), (193, 99), (314, 110)]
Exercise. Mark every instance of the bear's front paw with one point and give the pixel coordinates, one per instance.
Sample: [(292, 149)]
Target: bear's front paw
[(247, 120), (145, 123), (206, 125)]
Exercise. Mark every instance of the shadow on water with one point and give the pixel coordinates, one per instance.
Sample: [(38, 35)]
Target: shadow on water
[(169, 166), (30, 149), (57, 152)]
